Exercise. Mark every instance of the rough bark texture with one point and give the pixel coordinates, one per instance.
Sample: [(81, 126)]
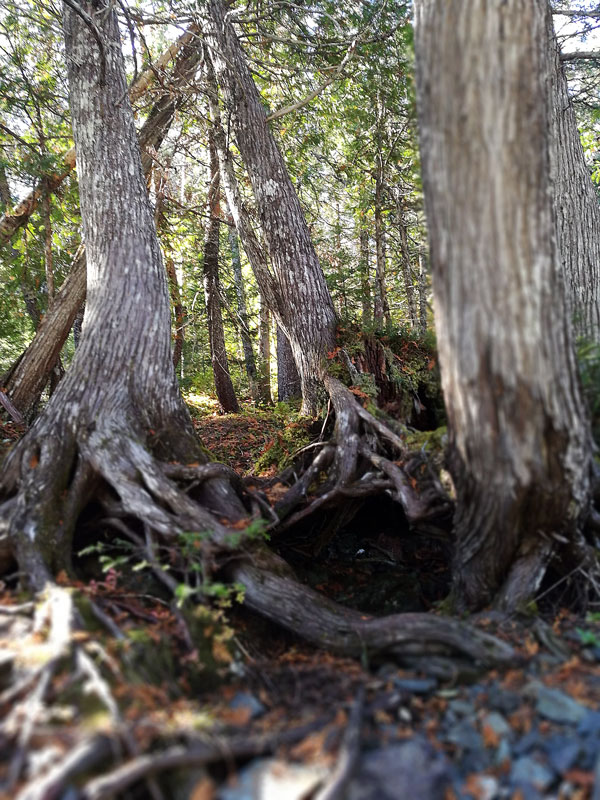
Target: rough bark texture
[(382, 309), (288, 380), (120, 392), (11, 221), (519, 441), (264, 352), (212, 292), (303, 293), (365, 278), (26, 381), (577, 205)]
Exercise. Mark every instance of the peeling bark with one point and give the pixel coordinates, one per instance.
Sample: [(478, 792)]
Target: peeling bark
[(519, 449)]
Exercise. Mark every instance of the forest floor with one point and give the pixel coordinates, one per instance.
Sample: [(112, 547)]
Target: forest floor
[(127, 710)]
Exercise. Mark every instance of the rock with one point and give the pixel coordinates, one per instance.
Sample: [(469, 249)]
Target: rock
[(497, 723), (531, 741), (272, 779), (416, 685), (528, 770), (462, 708), (465, 736), (563, 752), (245, 700), (412, 769), (503, 753), (485, 787), (590, 724), (503, 700), (558, 706)]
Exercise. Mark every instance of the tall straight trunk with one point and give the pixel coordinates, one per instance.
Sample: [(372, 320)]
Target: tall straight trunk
[(407, 275), (178, 311), (240, 293), (576, 204), (365, 281), (422, 293), (519, 440), (288, 379), (264, 352), (382, 309), (212, 293), (31, 373), (301, 290)]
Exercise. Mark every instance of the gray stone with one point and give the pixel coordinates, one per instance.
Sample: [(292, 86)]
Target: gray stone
[(465, 736), (416, 685), (528, 770), (590, 724), (248, 701), (558, 706), (497, 723), (503, 700), (412, 769), (272, 779), (503, 752), (462, 707), (563, 752)]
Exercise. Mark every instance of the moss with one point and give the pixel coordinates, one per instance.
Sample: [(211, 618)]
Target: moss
[(281, 451)]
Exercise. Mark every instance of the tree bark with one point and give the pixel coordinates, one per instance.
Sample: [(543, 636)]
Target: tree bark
[(365, 282), (212, 293), (264, 352), (422, 293), (382, 309), (288, 380), (120, 395), (519, 440), (25, 382), (302, 291), (576, 203), (11, 221)]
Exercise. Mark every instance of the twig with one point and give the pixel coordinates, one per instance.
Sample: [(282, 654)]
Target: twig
[(335, 788)]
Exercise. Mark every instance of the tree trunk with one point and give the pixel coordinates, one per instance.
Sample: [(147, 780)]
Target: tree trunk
[(407, 275), (365, 282), (212, 293), (238, 280), (11, 221), (264, 352), (120, 394), (382, 309), (576, 204), (288, 380), (302, 291), (422, 293), (519, 442), (178, 312), (29, 376)]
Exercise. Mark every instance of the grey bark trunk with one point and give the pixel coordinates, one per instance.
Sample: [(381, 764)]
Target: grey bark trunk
[(382, 309), (422, 293), (365, 278), (249, 360), (288, 379), (519, 449), (577, 206), (119, 389), (212, 294), (302, 290), (31, 374), (407, 274), (264, 352)]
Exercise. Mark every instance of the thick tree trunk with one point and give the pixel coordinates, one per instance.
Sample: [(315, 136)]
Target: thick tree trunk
[(519, 450), (302, 291), (212, 293), (576, 202), (27, 380), (120, 391), (11, 221), (288, 380), (422, 293), (240, 293)]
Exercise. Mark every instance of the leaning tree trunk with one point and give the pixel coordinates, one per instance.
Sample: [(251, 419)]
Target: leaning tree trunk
[(519, 450), (212, 293), (302, 291), (119, 405), (576, 204), (26, 380)]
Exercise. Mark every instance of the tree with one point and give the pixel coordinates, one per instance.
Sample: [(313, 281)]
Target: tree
[(519, 439), (119, 401), (300, 285)]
